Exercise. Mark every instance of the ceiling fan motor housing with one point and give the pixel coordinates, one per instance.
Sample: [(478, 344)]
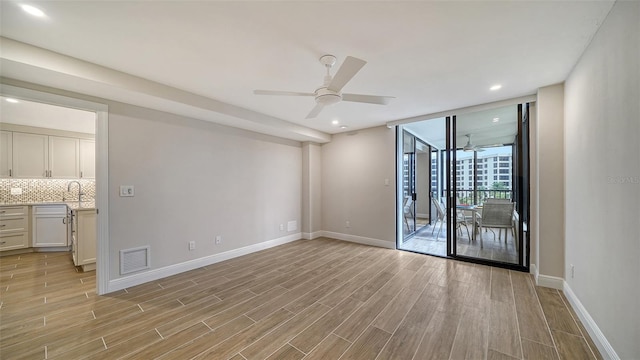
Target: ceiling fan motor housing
[(325, 96)]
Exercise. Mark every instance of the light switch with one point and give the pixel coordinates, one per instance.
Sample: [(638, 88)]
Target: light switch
[(126, 190)]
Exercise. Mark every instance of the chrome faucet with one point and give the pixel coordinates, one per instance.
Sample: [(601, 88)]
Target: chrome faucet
[(80, 193)]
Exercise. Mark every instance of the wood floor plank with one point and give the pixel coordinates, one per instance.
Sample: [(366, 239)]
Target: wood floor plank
[(389, 319), (268, 344), (504, 336), (471, 340), (571, 347), (531, 320), (439, 336), (332, 347), (496, 355), (368, 345), (501, 285), (535, 351), (583, 330), (556, 313), (169, 343), (405, 340), (215, 337), (316, 332), (286, 352)]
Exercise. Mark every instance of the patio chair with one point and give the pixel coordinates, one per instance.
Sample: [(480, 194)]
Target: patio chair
[(498, 215), (440, 216), (407, 212)]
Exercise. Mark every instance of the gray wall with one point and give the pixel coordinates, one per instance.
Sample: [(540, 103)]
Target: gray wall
[(195, 180), (602, 183), (550, 180), (354, 169)]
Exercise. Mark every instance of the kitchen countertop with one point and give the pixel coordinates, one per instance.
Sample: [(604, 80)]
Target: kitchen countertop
[(73, 205)]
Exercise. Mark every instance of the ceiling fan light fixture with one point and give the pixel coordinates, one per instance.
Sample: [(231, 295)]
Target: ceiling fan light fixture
[(326, 97)]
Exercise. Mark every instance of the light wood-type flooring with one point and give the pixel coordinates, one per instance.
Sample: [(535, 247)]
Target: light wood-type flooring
[(311, 299)]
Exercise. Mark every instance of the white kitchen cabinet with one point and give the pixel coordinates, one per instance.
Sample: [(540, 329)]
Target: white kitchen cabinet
[(64, 155), (84, 238), (87, 159), (43, 156), (30, 155), (49, 225), (14, 227), (6, 154)]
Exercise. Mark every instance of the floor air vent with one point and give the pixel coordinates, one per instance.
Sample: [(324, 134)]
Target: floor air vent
[(136, 259)]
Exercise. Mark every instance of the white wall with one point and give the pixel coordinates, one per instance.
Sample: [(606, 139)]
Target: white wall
[(550, 181), (602, 132), (354, 169), (195, 180)]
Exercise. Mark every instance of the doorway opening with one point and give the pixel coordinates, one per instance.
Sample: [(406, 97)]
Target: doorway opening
[(96, 184), (470, 198)]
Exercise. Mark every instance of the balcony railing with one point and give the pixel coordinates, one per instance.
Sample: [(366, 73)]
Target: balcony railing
[(477, 197)]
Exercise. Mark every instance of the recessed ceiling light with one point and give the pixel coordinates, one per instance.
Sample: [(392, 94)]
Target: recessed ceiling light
[(32, 10), (11, 100), (343, 127), (495, 87), (335, 122), (496, 119)]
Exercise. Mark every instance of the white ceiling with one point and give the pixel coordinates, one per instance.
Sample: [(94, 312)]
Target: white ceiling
[(29, 113), (432, 56)]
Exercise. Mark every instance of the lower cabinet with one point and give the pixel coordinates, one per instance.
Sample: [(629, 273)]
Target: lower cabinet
[(84, 238), (50, 225), (14, 227)]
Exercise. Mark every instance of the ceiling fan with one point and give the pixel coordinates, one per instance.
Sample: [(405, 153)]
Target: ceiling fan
[(330, 91), (469, 145)]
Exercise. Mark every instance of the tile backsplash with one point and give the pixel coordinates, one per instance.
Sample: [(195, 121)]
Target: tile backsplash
[(39, 190)]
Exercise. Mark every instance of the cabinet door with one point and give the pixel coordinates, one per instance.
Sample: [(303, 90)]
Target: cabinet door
[(86, 237), (30, 155), (49, 231), (87, 159), (6, 154), (64, 154)]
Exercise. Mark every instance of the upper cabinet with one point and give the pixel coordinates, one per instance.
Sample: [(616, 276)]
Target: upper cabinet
[(64, 157), (36, 156), (87, 159), (30, 156), (6, 154)]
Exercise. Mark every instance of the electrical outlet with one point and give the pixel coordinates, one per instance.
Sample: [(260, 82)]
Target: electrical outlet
[(572, 271), (218, 239), (281, 227), (192, 245), (347, 224)]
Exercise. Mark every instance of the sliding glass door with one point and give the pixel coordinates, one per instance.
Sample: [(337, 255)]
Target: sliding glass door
[(478, 181)]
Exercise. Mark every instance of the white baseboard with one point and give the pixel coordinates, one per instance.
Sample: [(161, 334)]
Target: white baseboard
[(360, 239), (155, 274), (605, 348), (311, 236), (553, 282)]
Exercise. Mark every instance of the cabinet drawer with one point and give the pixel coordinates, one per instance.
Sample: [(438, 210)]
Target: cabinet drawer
[(10, 211), (15, 224), (14, 241), (50, 210)]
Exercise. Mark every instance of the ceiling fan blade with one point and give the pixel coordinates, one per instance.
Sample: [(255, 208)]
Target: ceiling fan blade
[(275, 92), (371, 99), (347, 70), (315, 111)]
